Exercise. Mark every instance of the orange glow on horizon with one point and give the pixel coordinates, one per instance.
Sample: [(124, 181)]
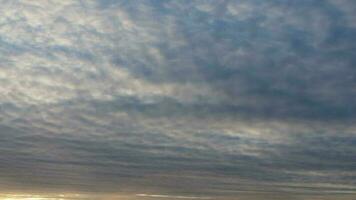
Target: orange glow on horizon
[(64, 197), (39, 197)]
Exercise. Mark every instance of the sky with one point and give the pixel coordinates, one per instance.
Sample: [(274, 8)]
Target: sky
[(178, 99)]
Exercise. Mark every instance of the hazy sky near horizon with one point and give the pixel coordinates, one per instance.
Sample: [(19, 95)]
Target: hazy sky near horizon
[(178, 99)]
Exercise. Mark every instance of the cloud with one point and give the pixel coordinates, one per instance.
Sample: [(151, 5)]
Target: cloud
[(179, 98), (169, 196)]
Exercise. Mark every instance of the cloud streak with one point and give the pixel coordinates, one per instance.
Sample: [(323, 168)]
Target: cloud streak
[(170, 196)]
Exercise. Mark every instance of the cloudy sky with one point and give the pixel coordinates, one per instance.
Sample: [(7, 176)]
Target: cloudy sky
[(178, 99)]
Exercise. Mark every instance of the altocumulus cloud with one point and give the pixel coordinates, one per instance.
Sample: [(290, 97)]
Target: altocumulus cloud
[(245, 99)]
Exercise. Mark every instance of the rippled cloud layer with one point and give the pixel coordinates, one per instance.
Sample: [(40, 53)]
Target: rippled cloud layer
[(241, 99)]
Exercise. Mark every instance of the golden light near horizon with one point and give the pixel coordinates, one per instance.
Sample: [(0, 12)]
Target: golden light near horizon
[(39, 197), (29, 198), (66, 196)]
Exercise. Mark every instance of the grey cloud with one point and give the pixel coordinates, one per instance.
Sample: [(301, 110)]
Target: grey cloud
[(253, 99), (270, 60)]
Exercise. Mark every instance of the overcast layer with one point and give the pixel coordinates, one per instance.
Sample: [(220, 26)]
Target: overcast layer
[(164, 99)]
